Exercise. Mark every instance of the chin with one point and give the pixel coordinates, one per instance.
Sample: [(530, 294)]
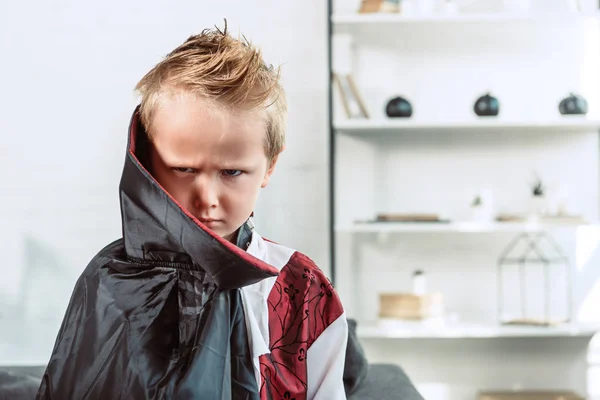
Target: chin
[(229, 236), (220, 230)]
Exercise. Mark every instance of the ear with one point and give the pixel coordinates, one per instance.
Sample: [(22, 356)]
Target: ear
[(269, 172)]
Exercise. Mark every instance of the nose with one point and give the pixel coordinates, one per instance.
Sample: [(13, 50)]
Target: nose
[(206, 193)]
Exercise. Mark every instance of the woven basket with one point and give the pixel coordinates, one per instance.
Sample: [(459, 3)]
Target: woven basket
[(409, 306)]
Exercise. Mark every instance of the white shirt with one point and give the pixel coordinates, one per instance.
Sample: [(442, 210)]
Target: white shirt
[(325, 358)]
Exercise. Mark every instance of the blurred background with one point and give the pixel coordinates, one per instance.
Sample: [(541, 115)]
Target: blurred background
[(442, 167)]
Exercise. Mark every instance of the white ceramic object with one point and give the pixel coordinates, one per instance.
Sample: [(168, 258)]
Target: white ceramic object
[(419, 283), (484, 212)]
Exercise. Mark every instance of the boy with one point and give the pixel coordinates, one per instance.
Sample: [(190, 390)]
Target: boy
[(192, 303)]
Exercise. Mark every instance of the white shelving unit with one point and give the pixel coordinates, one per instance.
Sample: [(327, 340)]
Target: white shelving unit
[(428, 163), (386, 18), (465, 227), (361, 127), (473, 331)]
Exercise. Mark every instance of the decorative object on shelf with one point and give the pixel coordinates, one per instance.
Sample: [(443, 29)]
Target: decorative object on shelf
[(408, 306), (388, 217), (482, 208), (487, 106), (525, 254), (391, 6), (370, 6), (419, 283), (354, 106), (558, 219), (398, 107), (573, 105), (539, 203), (530, 395), (379, 6), (342, 77)]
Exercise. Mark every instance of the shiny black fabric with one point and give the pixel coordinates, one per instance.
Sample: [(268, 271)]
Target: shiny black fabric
[(157, 314)]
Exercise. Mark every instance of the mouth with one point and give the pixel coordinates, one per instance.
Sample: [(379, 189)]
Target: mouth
[(209, 221)]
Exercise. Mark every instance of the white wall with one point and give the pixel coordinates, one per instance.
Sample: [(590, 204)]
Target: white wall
[(68, 70)]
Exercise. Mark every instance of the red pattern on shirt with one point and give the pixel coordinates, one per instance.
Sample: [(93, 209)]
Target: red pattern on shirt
[(302, 304)]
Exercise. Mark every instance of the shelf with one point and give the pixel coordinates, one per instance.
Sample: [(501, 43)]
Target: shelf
[(464, 331), (458, 227), (387, 18), (369, 127)]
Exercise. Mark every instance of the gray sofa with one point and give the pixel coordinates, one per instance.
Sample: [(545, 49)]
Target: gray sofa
[(20, 383), (363, 381)]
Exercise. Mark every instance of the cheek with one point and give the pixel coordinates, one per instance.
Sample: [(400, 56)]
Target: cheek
[(244, 192)]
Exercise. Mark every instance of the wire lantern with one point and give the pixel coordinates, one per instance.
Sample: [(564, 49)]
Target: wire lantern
[(526, 252)]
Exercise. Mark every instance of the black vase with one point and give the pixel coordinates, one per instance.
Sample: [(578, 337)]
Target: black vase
[(573, 105), (487, 106), (398, 107)]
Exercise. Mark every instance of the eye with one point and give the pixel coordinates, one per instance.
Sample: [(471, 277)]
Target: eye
[(231, 172), (184, 170)]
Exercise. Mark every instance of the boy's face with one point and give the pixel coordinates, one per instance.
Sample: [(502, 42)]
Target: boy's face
[(212, 162)]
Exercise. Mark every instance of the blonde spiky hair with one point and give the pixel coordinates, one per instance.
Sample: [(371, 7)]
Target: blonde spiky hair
[(227, 72)]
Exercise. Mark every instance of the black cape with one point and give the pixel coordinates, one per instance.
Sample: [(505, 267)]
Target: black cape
[(158, 313)]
